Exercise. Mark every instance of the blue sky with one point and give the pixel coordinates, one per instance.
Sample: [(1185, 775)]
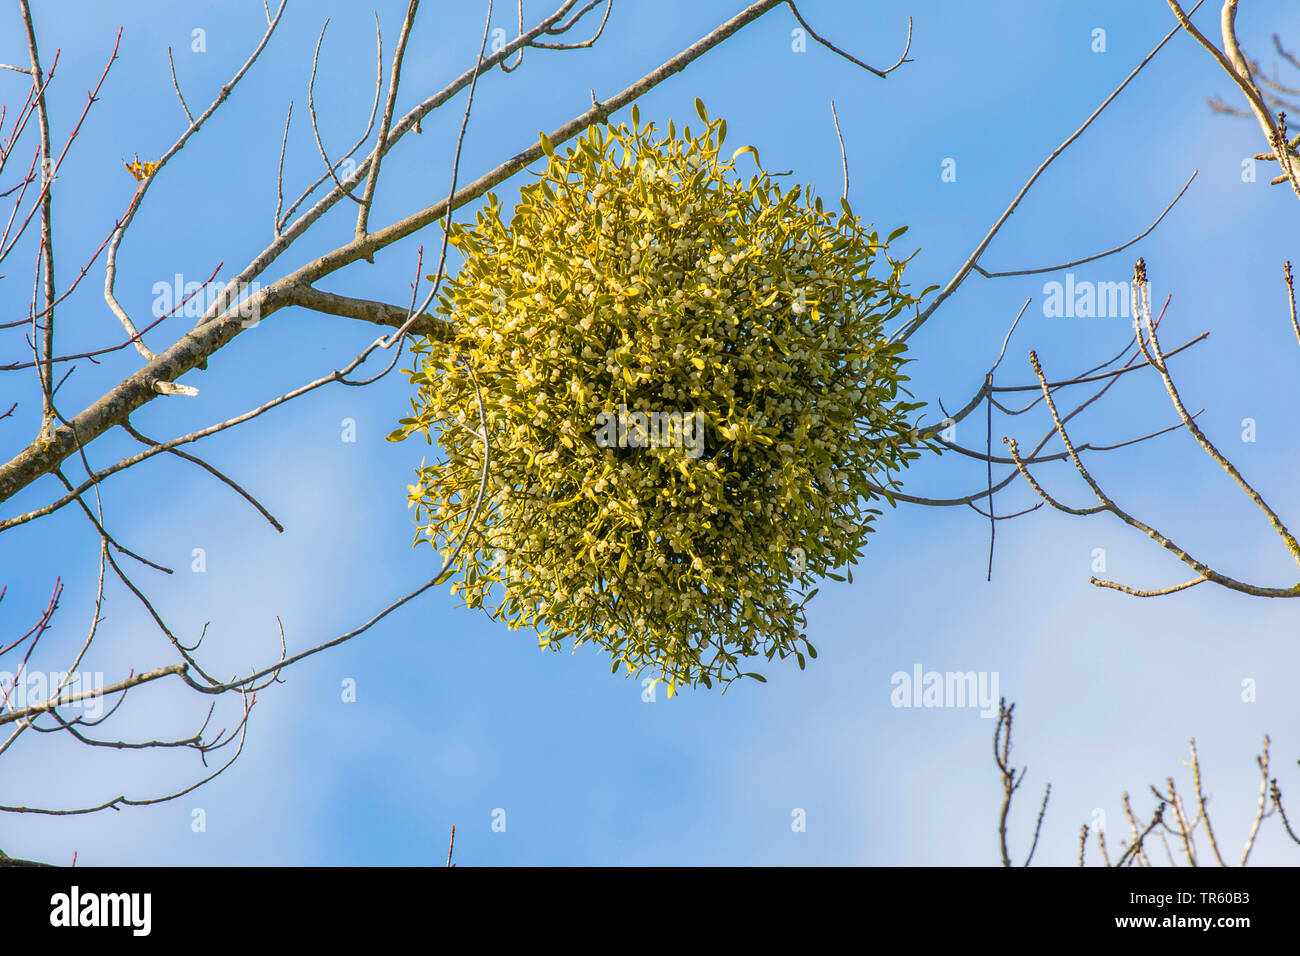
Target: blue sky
[(456, 717)]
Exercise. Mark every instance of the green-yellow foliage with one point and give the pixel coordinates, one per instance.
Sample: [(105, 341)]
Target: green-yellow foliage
[(643, 271)]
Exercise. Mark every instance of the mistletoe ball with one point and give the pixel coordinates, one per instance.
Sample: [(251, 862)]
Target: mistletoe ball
[(666, 405)]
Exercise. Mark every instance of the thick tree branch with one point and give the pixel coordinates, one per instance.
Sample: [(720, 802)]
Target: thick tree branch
[(367, 310), (194, 349)]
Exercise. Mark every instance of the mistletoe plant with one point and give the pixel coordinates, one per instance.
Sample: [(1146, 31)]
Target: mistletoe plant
[(690, 402)]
